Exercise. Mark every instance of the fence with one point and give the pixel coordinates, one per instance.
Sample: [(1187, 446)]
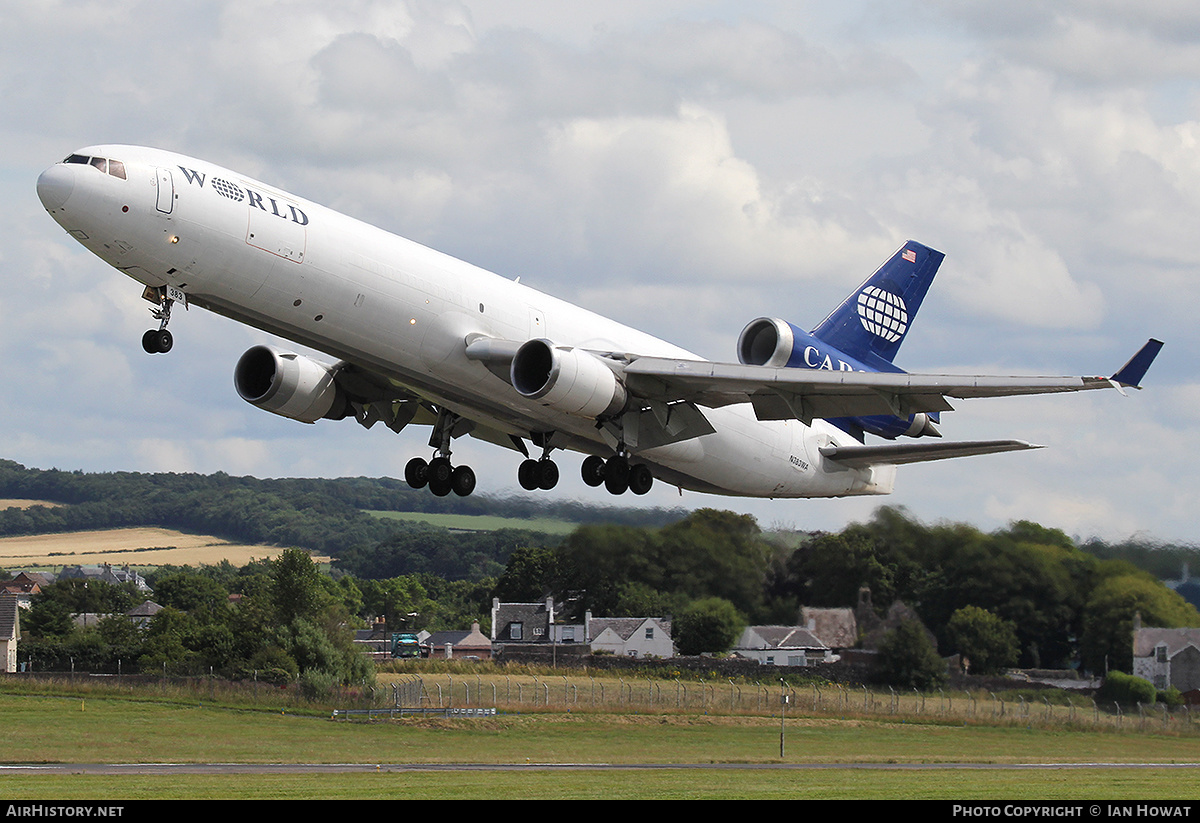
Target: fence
[(568, 693)]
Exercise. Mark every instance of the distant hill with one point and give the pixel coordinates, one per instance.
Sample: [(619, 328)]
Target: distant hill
[(329, 516)]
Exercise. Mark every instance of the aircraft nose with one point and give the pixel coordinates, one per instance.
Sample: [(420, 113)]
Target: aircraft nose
[(54, 186)]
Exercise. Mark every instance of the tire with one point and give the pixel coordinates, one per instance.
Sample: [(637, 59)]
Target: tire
[(547, 474), (593, 470), (640, 479), (527, 475), (616, 475), (440, 472), (163, 341), (440, 487), (416, 473), (463, 481)]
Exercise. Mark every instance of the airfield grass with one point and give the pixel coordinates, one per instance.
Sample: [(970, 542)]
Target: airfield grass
[(595, 755)]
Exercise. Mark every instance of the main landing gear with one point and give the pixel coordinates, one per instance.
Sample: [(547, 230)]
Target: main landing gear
[(541, 473), (439, 474), (617, 474)]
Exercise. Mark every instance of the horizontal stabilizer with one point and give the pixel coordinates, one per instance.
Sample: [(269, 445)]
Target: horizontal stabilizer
[(896, 454)]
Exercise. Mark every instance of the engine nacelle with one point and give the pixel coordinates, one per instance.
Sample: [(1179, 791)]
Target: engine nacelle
[(569, 380), (289, 384), (767, 341)]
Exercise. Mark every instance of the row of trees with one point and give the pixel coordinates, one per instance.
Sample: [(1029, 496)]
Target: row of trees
[(290, 623), (1024, 594)]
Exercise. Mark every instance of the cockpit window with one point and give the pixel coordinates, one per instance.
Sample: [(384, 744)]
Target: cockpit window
[(114, 167)]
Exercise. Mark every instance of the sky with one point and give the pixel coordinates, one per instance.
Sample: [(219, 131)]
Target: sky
[(684, 167)]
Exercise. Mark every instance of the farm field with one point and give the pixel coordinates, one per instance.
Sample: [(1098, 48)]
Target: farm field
[(479, 522), (132, 547)]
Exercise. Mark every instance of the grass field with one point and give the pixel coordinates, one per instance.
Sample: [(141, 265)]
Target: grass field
[(580, 755), (481, 523)]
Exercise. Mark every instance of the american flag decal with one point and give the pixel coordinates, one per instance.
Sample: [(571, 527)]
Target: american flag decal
[(909, 255)]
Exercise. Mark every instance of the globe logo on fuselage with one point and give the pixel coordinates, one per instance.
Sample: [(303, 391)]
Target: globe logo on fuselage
[(883, 313)]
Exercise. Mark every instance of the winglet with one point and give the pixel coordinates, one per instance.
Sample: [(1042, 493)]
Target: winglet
[(1131, 373)]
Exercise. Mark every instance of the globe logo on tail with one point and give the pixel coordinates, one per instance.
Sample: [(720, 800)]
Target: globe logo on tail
[(882, 313)]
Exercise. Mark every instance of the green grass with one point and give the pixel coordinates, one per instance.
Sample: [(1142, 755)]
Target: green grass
[(599, 755), (481, 523), (643, 784)]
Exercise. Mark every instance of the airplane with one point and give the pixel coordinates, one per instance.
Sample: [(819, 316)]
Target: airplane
[(422, 338)]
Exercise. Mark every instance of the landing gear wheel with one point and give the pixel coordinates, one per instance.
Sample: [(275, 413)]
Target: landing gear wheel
[(157, 341), (462, 481), (527, 475), (616, 475), (593, 470), (547, 474), (640, 479), (440, 475), (416, 473)]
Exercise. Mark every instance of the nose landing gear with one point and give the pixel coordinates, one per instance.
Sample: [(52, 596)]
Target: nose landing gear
[(160, 340)]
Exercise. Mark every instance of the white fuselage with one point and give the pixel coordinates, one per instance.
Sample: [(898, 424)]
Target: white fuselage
[(296, 269)]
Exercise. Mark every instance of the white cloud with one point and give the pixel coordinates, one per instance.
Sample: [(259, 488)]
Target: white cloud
[(683, 167)]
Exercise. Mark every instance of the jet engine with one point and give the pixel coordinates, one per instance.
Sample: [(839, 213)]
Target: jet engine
[(767, 341), (289, 384), (573, 381)]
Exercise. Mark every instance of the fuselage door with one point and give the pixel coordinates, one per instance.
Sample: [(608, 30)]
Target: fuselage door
[(166, 191)]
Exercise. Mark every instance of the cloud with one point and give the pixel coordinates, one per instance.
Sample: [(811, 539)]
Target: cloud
[(684, 168)]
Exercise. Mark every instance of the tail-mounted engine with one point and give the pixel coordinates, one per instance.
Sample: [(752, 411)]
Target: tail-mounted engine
[(289, 384), (769, 341), (569, 380)]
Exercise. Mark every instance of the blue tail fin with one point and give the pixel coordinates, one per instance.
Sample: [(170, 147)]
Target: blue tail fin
[(872, 322)]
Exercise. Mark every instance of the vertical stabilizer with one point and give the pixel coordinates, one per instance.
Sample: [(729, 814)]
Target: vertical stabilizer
[(872, 322)]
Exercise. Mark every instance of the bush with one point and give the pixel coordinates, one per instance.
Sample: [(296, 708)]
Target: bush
[(1126, 689)]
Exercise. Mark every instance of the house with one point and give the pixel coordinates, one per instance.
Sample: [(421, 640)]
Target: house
[(1167, 657), (105, 573), (24, 587), (629, 636), (10, 631), (782, 646), (458, 645), (836, 628), (139, 616), (522, 623)]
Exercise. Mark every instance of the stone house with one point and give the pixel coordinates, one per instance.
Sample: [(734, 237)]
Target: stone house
[(1167, 657)]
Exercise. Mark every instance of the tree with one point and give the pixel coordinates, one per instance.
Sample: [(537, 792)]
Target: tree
[(708, 625), (986, 641), (908, 659)]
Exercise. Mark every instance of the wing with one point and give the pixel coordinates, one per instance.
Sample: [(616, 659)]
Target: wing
[(809, 394)]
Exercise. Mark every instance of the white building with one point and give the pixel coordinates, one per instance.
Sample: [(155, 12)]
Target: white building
[(629, 636), (782, 646)]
